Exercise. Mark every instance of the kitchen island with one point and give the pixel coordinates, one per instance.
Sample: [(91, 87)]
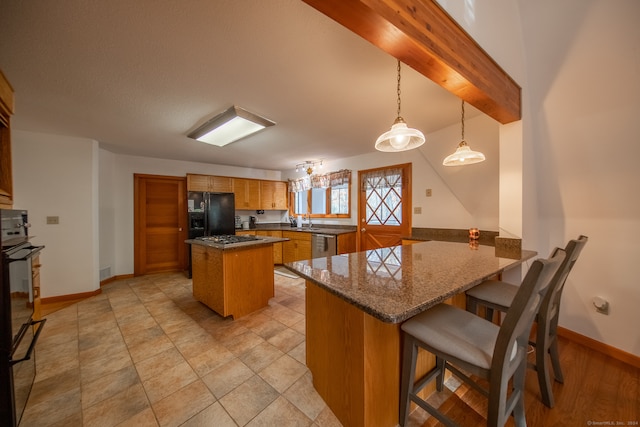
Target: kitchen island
[(355, 304), (233, 279)]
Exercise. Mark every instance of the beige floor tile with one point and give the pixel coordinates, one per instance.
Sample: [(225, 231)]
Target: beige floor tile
[(280, 413), (117, 408), (98, 367), (169, 381), (282, 373), (299, 352), (242, 408), (259, 357), (145, 418), (185, 357), (300, 327), (109, 385), (53, 411), (286, 340), (213, 357), (227, 377), (214, 415), (150, 348), (304, 397), (159, 363), (180, 406)]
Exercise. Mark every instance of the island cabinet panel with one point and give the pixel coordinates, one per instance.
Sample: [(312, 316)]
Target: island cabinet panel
[(210, 183), (353, 358), (273, 195), (233, 282), (298, 247), (247, 193), (277, 247)]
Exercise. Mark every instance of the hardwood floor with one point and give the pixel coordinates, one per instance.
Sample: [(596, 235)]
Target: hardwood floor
[(597, 390)]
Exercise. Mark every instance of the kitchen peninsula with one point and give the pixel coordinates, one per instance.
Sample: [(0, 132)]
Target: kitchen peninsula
[(233, 275), (355, 304)]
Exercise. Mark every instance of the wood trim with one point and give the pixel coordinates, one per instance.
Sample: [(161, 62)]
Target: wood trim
[(114, 278), (422, 35), (70, 297), (600, 347)]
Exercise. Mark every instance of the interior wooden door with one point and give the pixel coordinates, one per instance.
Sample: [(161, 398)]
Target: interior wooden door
[(160, 219), (384, 206)]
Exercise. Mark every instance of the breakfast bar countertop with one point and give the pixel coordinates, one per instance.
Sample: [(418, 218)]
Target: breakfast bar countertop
[(396, 283)]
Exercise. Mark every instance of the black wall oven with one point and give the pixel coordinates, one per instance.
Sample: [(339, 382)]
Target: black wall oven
[(19, 331)]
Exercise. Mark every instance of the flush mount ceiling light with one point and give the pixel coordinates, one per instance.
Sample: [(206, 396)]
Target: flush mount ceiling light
[(400, 137), (463, 155), (308, 166), (229, 126)]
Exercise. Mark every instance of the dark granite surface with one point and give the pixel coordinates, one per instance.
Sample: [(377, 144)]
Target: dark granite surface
[(486, 238), (396, 283)]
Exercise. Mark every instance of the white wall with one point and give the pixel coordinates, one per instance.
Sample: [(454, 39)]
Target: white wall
[(462, 197), (581, 99), (116, 200), (58, 176)]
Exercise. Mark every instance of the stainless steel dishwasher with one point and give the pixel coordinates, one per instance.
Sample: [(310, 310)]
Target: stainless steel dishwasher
[(323, 245)]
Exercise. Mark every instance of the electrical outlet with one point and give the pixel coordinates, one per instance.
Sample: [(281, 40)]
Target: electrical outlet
[(417, 210), (428, 192), (53, 220)]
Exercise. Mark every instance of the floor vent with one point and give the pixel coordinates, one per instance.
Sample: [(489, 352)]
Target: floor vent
[(105, 273)]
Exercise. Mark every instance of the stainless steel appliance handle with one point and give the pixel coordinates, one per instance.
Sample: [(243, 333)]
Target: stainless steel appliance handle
[(328, 236), (27, 356)]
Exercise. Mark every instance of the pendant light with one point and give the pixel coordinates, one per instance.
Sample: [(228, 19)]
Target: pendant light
[(463, 155), (400, 137)]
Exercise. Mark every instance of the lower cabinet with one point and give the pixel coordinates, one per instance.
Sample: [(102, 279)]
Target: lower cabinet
[(347, 243), (297, 248)]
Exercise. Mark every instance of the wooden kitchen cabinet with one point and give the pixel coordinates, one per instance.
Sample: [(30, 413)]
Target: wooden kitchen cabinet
[(347, 243), (297, 248), (277, 247), (6, 110), (210, 183), (273, 195), (247, 193)]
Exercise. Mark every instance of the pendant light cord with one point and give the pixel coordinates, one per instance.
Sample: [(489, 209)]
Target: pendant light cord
[(398, 90), (462, 119)]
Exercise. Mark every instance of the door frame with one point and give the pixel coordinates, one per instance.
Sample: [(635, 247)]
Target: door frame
[(138, 265), (407, 203)]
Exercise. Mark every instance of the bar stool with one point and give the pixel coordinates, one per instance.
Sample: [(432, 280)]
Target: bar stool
[(462, 340), (497, 295)]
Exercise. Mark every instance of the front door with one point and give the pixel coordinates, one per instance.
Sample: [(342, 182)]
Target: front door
[(384, 206), (160, 217)]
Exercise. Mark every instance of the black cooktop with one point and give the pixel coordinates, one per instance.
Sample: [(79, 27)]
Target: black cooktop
[(226, 239)]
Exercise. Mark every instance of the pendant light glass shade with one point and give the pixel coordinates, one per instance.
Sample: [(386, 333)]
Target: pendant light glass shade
[(400, 137), (463, 155)]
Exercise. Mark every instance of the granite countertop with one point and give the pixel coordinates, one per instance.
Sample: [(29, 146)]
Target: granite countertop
[(261, 240), (396, 283)]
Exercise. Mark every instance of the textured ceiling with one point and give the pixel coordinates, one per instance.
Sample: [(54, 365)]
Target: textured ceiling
[(137, 76)]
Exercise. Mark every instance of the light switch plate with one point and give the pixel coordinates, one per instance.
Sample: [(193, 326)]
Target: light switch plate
[(53, 220)]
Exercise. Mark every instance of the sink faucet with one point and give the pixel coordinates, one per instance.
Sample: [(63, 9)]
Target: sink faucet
[(308, 218)]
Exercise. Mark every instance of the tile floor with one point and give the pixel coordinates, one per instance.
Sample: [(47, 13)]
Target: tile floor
[(145, 353)]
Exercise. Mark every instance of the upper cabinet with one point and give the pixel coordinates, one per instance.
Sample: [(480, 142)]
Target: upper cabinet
[(247, 193), (250, 194), (6, 110), (273, 195), (212, 184)]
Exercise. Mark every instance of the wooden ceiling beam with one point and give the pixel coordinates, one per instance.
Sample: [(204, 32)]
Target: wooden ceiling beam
[(422, 35)]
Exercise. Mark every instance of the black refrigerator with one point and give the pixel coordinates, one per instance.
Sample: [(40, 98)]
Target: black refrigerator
[(211, 214)]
